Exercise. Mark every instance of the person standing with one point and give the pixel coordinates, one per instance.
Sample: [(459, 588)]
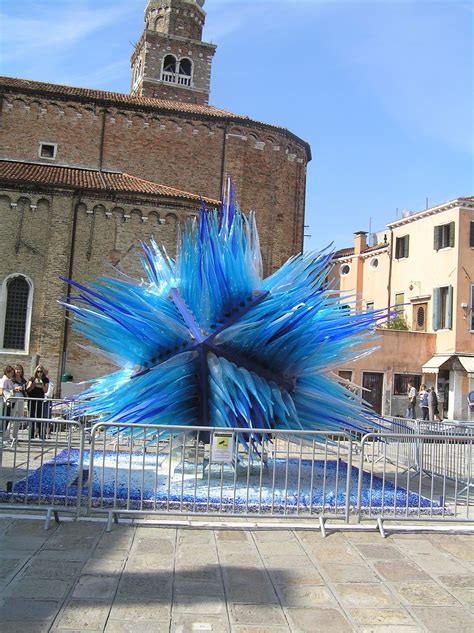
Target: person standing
[(425, 409), (19, 394), (411, 393), (6, 393), (36, 388), (433, 403)]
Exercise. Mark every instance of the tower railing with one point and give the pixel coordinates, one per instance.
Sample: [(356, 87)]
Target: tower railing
[(175, 78)]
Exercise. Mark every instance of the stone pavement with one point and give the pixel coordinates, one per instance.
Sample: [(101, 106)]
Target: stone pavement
[(76, 577)]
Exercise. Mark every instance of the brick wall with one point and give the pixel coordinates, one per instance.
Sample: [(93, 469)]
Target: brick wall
[(190, 152), (108, 231), (34, 233), (152, 49)]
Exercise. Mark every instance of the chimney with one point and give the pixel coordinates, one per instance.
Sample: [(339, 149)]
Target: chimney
[(360, 242)]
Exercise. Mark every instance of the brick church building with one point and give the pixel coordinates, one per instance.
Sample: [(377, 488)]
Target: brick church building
[(85, 175)]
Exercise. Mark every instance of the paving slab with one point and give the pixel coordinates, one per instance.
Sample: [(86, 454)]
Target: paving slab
[(307, 597), (74, 555), (51, 569), (185, 587), (348, 573), (425, 593), (390, 628), (146, 585), (438, 563), (90, 587), (300, 576), (140, 609), (77, 578), (398, 571), (131, 626), (27, 609), (248, 628), (379, 551), (25, 626), (83, 615), (40, 588), (9, 566), (365, 595), (252, 614), (204, 604), (466, 597), (199, 623), (26, 527), (10, 546), (317, 619), (458, 581), (443, 619), (375, 616)]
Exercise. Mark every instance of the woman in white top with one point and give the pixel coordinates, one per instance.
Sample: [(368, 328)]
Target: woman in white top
[(6, 392)]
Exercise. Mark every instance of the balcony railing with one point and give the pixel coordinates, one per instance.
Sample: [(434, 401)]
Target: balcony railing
[(176, 78)]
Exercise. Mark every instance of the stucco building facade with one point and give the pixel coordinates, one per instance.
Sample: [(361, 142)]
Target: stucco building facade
[(422, 264), (86, 174)]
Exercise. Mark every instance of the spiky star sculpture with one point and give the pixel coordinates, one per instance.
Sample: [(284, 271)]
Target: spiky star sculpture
[(204, 340)]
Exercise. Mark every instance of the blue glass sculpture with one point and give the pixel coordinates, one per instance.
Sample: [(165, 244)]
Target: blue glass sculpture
[(205, 340)]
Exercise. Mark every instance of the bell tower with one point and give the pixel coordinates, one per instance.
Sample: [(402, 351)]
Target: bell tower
[(171, 61)]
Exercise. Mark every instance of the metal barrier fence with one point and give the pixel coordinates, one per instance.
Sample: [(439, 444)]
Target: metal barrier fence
[(145, 469), (432, 457), (59, 464), (422, 488), (40, 463)]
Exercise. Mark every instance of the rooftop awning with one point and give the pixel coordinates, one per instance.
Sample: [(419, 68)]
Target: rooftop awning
[(433, 365), (468, 363)]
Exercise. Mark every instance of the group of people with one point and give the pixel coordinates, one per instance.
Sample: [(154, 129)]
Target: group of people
[(15, 390), (428, 400)]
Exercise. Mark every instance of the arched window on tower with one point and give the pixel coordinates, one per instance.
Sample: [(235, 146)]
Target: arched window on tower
[(185, 72), (168, 72), (138, 70), (159, 23), (16, 300)]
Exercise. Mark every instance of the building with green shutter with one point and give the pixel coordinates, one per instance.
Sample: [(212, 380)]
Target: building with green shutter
[(423, 263)]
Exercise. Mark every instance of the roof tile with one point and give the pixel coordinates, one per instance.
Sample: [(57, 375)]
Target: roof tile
[(72, 177)]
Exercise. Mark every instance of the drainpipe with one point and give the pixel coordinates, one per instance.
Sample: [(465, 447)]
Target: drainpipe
[(224, 144), (76, 199), (102, 137), (389, 285)]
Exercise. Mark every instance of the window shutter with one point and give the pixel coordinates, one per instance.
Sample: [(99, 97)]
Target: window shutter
[(406, 248), (437, 231), (472, 302), (436, 304), (451, 233), (471, 235), (449, 308)]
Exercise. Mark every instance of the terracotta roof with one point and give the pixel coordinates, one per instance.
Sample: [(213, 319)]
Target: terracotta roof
[(347, 252), (92, 94), (343, 252), (375, 247), (71, 177), (13, 84)]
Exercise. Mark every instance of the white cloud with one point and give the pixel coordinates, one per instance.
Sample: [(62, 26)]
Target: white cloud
[(55, 28)]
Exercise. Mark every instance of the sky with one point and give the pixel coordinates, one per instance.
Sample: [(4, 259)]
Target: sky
[(382, 90)]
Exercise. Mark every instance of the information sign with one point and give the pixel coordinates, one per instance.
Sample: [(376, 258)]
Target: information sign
[(223, 448)]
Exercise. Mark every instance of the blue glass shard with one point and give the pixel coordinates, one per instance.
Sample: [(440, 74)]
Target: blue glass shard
[(212, 303)]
